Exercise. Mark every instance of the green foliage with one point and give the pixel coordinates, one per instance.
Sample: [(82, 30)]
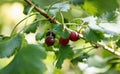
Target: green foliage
[(118, 43), (80, 58), (65, 52), (77, 2), (64, 33), (44, 3), (26, 8), (83, 16), (98, 7), (64, 7), (8, 46), (32, 27), (109, 16), (39, 36), (93, 35), (28, 61)]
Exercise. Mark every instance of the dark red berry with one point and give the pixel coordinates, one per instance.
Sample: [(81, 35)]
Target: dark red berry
[(50, 33), (49, 40), (63, 41), (74, 36)]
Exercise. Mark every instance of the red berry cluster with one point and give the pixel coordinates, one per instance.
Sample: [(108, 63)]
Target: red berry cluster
[(50, 38), (74, 36)]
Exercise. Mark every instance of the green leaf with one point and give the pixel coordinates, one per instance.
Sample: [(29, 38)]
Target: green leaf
[(65, 52), (118, 43), (64, 33), (32, 27), (93, 35), (63, 6), (27, 61), (98, 7), (80, 58), (43, 3), (48, 48), (39, 36), (109, 16), (26, 8), (8, 46), (77, 2)]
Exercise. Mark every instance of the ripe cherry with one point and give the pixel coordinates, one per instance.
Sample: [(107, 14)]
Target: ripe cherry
[(50, 33), (63, 41), (74, 36), (49, 40)]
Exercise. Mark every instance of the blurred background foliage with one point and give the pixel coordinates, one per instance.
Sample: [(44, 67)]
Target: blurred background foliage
[(103, 62)]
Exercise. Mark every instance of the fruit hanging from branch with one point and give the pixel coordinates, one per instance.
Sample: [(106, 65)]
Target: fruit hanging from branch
[(50, 40), (64, 41), (74, 36)]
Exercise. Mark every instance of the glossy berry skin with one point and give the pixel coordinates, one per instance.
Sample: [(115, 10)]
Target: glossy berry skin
[(63, 41), (49, 40), (50, 33), (74, 36)]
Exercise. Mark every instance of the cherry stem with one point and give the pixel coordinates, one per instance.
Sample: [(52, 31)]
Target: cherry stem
[(63, 24), (21, 22)]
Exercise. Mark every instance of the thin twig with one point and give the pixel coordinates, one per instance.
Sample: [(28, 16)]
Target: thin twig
[(20, 22), (52, 20), (109, 49)]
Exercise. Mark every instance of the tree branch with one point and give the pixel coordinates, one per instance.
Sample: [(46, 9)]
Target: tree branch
[(52, 20), (109, 49)]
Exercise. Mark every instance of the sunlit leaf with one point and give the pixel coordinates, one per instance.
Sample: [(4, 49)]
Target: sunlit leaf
[(109, 16), (98, 7), (27, 61), (97, 61), (59, 7)]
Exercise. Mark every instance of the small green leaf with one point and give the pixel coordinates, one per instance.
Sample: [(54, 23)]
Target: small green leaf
[(26, 8), (65, 52), (44, 3), (48, 48), (32, 27), (77, 2), (8, 46), (80, 58), (39, 36), (93, 35), (27, 61), (109, 16), (118, 43), (64, 33), (98, 7)]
